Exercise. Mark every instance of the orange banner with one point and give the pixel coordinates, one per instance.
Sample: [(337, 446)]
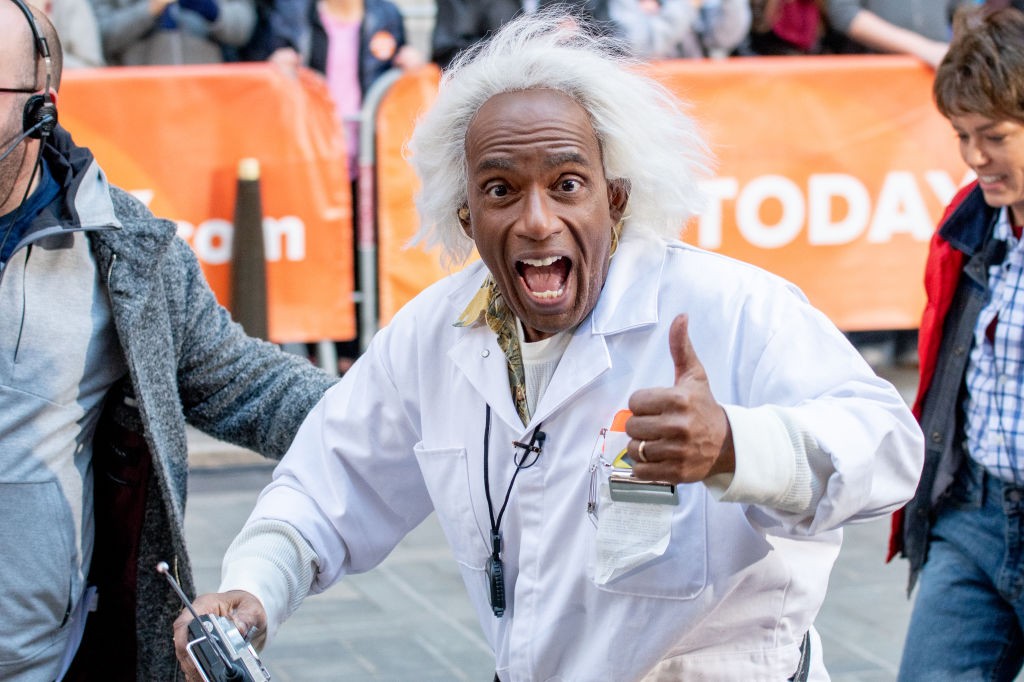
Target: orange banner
[(173, 136), (831, 173)]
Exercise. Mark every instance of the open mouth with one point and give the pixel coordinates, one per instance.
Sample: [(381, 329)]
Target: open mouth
[(544, 278), (989, 179)]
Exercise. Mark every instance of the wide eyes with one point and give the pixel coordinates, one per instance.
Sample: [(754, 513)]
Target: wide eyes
[(497, 190)]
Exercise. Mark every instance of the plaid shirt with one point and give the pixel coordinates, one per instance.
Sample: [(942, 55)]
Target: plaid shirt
[(994, 406)]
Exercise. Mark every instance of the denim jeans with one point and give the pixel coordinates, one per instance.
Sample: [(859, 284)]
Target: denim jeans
[(969, 613)]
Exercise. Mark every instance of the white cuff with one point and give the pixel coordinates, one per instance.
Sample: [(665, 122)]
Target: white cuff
[(272, 561), (772, 467)]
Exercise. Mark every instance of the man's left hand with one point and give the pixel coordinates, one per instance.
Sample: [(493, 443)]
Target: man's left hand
[(685, 432)]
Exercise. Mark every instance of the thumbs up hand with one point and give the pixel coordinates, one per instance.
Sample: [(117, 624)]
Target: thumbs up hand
[(684, 433)]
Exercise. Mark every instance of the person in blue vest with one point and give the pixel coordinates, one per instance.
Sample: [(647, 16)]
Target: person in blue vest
[(962, 533)]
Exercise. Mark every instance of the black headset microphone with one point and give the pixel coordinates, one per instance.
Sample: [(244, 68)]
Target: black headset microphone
[(31, 132), (39, 117)]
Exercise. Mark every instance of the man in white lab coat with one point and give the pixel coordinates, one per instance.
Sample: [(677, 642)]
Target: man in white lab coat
[(642, 454)]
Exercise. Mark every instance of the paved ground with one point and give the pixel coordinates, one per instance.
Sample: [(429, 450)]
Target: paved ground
[(410, 619)]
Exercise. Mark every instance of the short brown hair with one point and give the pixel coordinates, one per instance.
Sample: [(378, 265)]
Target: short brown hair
[(983, 71)]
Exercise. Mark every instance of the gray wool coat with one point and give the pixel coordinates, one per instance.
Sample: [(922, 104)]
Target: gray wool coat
[(188, 362)]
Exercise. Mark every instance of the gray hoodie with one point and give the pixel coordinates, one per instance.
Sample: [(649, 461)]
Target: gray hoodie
[(174, 357)]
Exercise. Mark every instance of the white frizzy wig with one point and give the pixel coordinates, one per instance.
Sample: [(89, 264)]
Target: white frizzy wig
[(645, 137)]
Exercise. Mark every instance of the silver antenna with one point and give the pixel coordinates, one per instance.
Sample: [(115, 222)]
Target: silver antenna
[(162, 567)]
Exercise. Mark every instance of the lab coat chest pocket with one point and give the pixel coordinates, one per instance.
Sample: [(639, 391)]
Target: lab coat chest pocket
[(447, 476), (681, 571)]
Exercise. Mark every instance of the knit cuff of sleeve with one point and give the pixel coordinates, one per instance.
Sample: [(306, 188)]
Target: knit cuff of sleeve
[(772, 466), (272, 561)]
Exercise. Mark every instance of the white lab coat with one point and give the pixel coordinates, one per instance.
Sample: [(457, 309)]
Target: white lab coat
[(402, 435)]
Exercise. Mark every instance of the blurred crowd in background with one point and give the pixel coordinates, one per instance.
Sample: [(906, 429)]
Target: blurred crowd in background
[(316, 33)]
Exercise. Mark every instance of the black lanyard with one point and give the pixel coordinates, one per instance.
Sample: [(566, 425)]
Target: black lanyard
[(529, 457)]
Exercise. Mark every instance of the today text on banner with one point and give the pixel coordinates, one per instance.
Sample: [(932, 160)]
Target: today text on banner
[(831, 173)]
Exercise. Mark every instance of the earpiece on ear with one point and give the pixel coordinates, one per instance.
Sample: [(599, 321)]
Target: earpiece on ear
[(39, 116)]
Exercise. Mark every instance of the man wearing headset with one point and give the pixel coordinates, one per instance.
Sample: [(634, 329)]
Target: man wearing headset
[(110, 342)]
